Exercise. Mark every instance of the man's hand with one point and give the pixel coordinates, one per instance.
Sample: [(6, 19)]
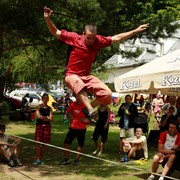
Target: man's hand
[(106, 126), (47, 12), (142, 27)]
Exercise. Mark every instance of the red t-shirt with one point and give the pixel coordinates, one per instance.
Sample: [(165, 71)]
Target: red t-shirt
[(169, 141), (82, 56), (77, 114)]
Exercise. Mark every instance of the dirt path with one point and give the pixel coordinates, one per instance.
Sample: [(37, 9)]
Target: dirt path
[(44, 172), (47, 172)]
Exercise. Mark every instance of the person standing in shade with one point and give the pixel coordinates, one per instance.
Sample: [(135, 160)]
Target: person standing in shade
[(101, 128), (157, 104), (84, 49), (171, 103), (127, 113), (24, 101), (141, 101), (167, 118), (43, 128), (77, 129), (27, 109)]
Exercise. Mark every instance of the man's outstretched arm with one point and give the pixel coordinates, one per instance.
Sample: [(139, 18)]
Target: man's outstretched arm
[(123, 36), (52, 28)]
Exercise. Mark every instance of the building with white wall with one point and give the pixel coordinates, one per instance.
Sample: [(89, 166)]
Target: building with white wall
[(122, 65)]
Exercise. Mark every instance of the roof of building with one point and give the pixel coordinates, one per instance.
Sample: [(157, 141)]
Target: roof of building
[(159, 49)]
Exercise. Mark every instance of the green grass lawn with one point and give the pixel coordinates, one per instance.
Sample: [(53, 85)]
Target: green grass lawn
[(88, 168)]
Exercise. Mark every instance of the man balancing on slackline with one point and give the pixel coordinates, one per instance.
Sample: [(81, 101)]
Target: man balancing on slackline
[(85, 48)]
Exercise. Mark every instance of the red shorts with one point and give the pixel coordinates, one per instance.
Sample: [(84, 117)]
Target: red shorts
[(90, 84), (43, 133)]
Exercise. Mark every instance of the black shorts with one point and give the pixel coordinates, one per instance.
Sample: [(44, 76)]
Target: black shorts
[(139, 154), (75, 133), (100, 132)]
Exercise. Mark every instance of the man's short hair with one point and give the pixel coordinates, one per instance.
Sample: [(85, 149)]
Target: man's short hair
[(92, 28), (128, 95), (139, 128), (174, 123)]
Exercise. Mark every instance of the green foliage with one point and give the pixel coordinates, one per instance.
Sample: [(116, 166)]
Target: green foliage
[(130, 54), (37, 57)]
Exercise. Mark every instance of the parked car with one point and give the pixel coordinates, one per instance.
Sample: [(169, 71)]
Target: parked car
[(19, 94), (55, 95), (59, 92), (13, 103)]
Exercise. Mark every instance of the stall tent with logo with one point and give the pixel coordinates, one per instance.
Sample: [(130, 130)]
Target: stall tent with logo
[(161, 74)]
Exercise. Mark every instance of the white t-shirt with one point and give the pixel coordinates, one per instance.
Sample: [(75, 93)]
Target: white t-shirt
[(170, 141), (144, 144), (5, 138)]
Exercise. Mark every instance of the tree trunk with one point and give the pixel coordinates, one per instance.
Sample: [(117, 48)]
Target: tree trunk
[(2, 80)]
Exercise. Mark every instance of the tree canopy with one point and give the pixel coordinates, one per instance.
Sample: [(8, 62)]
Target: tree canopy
[(29, 53)]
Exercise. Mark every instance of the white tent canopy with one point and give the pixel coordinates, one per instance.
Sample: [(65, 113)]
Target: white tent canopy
[(161, 74)]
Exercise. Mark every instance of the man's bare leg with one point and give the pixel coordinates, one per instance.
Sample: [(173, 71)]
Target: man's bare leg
[(3, 153), (121, 145), (95, 103), (79, 149), (84, 98), (169, 164), (82, 95), (155, 164), (132, 151)]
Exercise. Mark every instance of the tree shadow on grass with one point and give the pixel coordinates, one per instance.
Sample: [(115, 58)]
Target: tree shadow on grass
[(88, 166)]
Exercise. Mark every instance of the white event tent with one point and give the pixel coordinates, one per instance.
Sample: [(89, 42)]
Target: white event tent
[(161, 74)]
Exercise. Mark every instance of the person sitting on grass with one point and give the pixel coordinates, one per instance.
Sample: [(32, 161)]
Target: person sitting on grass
[(77, 129), (135, 146), (168, 145), (9, 151)]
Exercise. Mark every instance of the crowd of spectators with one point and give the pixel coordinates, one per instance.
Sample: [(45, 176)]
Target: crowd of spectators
[(134, 139)]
